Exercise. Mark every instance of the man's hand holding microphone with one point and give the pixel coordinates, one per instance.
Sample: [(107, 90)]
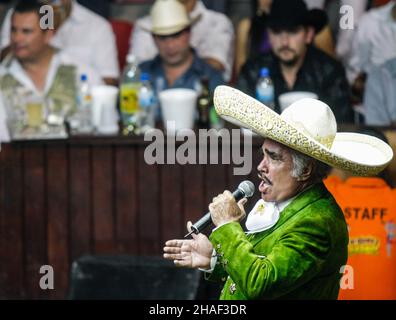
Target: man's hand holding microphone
[(197, 252)]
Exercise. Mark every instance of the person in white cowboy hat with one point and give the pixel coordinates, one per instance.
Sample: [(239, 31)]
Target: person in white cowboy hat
[(212, 36), (177, 65), (296, 238)]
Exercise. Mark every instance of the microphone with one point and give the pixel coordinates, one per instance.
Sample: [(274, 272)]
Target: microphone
[(244, 190)]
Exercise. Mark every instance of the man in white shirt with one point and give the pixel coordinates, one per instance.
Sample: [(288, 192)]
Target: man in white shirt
[(84, 35), (212, 36), (380, 95), (35, 67), (345, 36), (374, 41)]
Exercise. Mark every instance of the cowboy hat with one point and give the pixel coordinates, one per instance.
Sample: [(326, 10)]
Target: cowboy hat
[(169, 17), (308, 126), (288, 14)]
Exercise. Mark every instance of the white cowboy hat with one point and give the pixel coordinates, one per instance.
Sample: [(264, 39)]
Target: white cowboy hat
[(169, 17), (308, 126)]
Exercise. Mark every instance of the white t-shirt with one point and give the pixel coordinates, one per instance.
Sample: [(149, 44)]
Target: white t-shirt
[(84, 35), (212, 36)]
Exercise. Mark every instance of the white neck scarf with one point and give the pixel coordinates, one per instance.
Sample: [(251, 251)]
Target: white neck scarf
[(264, 215)]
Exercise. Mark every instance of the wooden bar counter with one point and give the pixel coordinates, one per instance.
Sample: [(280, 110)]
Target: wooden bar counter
[(63, 199)]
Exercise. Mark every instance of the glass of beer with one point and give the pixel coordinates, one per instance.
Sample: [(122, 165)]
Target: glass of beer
[(34, 111)]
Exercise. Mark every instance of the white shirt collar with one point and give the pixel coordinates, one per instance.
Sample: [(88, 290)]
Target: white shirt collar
[(282, 205), (17, 71)]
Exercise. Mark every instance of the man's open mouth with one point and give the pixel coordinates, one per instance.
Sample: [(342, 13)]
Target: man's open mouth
[(265, 183)]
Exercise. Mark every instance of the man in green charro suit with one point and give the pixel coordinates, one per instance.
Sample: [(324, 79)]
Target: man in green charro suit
[(296, 237)]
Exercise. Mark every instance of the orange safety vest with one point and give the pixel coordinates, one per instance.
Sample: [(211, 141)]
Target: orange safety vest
[(369, 207)]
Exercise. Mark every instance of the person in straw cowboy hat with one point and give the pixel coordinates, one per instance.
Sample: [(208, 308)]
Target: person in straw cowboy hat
[(296, 237), (212, 37)]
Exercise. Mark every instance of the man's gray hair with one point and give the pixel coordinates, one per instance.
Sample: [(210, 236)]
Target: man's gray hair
[(301, 161)]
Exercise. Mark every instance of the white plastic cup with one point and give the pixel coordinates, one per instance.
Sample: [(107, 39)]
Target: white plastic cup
[(108, 120), (286, 99), (178, 108), (104, 108)]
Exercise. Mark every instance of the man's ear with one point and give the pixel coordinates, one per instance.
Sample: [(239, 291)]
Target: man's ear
[(307, 172)]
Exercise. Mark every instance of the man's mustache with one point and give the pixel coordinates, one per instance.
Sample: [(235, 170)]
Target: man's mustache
[(286, 49), (264, 178)]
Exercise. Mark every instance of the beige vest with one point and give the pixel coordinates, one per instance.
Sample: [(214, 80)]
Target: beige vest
[(62, 92)]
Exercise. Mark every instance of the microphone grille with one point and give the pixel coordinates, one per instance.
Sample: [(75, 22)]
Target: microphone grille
[(247, 187)]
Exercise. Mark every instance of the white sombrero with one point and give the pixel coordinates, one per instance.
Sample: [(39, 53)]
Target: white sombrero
[(308, 126), (169, 17)]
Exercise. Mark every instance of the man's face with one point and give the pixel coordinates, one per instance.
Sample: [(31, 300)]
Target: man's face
[(275, 172), (290, 45), (28, 40), (264, 5), (174, 49)]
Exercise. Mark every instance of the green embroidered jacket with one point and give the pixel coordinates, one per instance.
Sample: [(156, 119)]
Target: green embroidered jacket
[(298, 258)]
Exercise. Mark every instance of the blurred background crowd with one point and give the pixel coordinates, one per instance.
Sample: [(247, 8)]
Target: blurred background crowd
[(340, 51)]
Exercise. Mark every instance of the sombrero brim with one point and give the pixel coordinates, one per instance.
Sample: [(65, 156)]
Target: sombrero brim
[(168, 30), (358, 153)]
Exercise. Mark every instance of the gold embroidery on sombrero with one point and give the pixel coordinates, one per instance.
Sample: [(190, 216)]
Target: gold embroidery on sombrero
[(264, 120)]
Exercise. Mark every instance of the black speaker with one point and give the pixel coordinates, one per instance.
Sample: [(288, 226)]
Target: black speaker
[(131, 277)]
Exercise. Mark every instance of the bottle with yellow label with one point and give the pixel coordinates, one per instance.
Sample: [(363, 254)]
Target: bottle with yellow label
[(129, 91)]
